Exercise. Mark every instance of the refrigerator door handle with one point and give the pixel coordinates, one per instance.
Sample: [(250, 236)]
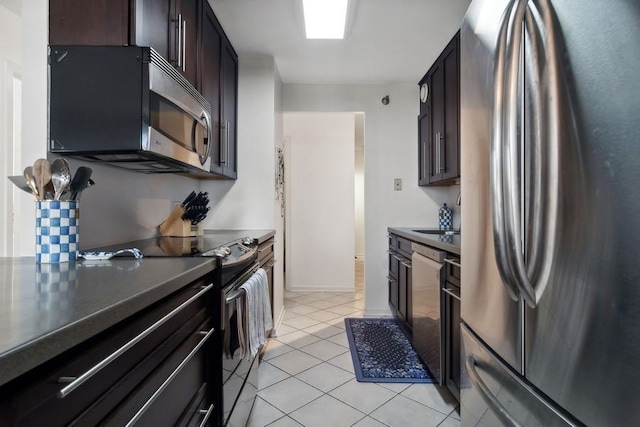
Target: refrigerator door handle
[(497, 162), (531, 281), (496, 407)]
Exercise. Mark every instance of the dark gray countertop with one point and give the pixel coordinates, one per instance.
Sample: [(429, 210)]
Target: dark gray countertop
[(46, 309), (230, 235), (449, 243)]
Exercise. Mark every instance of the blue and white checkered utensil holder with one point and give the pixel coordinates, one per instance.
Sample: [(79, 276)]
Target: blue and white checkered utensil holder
[(445, 218), (57, 231)]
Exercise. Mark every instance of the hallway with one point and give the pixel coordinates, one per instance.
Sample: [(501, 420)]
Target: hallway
[(307, 378)]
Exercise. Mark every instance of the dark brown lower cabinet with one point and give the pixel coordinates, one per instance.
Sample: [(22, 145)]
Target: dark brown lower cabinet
[(266, 258), (153, 371), (399, 279), (451, 324)]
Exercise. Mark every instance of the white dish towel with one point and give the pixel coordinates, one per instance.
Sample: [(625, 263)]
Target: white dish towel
[(254, 316)]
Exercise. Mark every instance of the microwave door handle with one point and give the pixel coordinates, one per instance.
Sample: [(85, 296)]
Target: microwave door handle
[(207, 121), (497, 161)]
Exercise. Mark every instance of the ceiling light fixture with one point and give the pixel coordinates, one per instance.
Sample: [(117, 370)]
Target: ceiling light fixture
[(325, 19)]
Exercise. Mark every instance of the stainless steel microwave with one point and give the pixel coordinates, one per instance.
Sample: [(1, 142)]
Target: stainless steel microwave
[(126, 106)]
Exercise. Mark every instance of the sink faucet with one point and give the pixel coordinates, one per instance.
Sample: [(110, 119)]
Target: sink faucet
[(458, 200)]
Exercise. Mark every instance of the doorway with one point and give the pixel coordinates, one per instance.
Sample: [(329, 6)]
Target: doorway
[(10, 125), (325, 201)]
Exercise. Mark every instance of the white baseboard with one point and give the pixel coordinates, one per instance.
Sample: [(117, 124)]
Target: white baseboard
[(322, 289), (277, 322), (377, 313)]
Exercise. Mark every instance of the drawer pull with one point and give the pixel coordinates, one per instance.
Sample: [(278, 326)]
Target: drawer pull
[(269, 264), (170, 378), (405, 264), (452, 262), (451, 293), (207, 414), (75, 382)]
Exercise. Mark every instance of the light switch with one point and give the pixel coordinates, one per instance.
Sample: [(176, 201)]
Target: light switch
[(397, 184)]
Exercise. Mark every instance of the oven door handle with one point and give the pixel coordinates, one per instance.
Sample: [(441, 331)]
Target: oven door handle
[(236, 291)]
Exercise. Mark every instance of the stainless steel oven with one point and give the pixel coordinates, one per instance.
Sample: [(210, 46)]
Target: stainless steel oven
[(234, 379), (239, 375)]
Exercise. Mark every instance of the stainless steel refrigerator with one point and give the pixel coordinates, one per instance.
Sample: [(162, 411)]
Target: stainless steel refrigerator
[(550, 164)]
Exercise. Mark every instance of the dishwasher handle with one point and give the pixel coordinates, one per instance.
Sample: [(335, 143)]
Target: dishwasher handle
[(428, 252)]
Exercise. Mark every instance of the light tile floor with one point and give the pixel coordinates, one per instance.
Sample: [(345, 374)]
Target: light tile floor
[(306, 376)]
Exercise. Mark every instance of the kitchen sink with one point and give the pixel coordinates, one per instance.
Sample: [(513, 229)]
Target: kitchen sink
[(437, 232)]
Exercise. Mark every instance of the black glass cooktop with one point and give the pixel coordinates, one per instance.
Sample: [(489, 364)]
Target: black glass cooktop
[(173, 246)]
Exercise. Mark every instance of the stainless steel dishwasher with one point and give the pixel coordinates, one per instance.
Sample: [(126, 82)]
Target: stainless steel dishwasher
[(426, 276)]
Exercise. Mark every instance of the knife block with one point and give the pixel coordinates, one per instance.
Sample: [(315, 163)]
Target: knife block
[(175, 226)]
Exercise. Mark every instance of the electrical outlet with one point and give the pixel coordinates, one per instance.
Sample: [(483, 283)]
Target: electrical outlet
[(397, 184)]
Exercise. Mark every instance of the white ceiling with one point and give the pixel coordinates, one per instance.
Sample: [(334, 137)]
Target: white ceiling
[(13, 5), (389, 41)]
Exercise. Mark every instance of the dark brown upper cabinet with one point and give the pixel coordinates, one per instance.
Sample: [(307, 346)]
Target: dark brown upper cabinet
[(219, 86), (186, 33), (186, 21), (170, 27), (439, 119)]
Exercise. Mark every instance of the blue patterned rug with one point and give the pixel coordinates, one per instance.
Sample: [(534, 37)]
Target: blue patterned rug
[(382, 353)]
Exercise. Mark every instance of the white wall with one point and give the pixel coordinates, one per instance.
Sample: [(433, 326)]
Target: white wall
[(359, 185), (278, 273), (321, 208), (249, 202), (390, 152), (10, 67)]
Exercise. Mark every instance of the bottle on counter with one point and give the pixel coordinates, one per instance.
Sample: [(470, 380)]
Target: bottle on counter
[(445, 218)]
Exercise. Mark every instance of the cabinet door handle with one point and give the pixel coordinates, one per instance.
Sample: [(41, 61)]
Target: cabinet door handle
[(184, 46), (179, 40), (437, 147), (227, 139), (223, 135), (443, 162), (207, 413), (405, 264), (170, 378), (451, 293), (75, 382), (452, 262), (440, 165)]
